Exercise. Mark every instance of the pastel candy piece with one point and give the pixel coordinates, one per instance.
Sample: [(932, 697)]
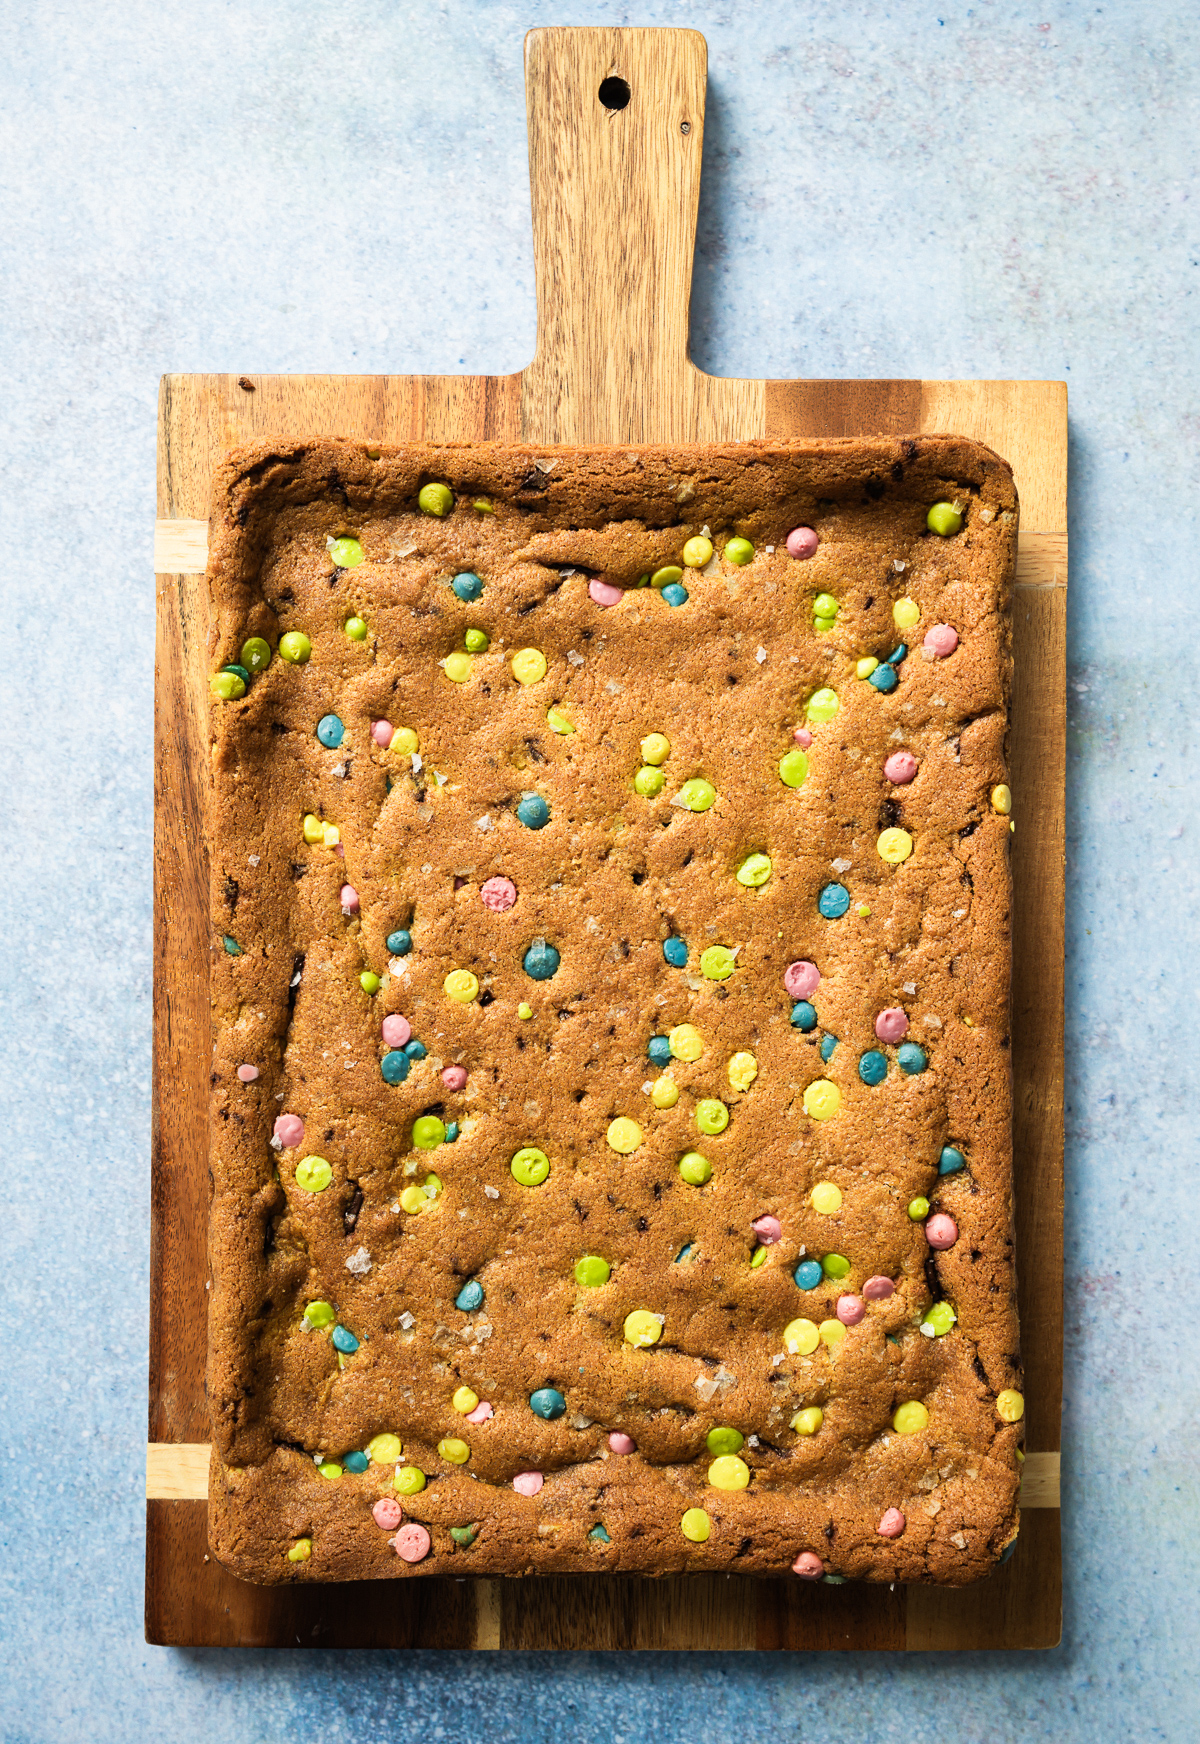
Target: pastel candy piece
[(498, 894), (619, 1442), (941, 640), (528, 1483), (850, 1310), (482, 1412), (941, 1231), (808, 1565), (349, 899), (603, 592), (396, 1030), (878, 1289), (900, 767), (247, 1073), (289, 1130), (454, 1077), (801, 979), (383, 732), (411, 1543), (802, 542), (891, 1025), (891, 1524), (767, 1229), (387, 1513)]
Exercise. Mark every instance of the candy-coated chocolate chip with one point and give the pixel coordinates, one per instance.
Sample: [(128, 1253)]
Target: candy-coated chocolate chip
[(768, 1229), (808, 1566), (467, 586), (669, 574), (409, 1481), (742, 1071), (822, 705), (754, 871), (951, 1161), (289, 1130), (884, 678), (540, 961), (872, 1067), (894, 846), (717, 963), (697, 794), (313, 1174), (911, 1058), (428, 1132), (461, 986), (457, 666), (918, 1208), (724, 1441), (800, 1337), (599, 1535), (1010, 1405), (675, 594), (395, 1066), (649, 781), (319, 1314), (802, 543), (835, 1265), (826, 1198), (476, 641), (642, 1328), (939, 1320), (547, 1402), (498, 894), (591, 1271), (738, 551), (910, 1418), (833, 901), (528, 665), (415, 1050), (530, 1166), (295, 647), (344, 1340), (793, 768), (247, 1073), (558, 722), (330, 731), (330, 1470), (900, 768), (659, 1047), (676, 953), (802, 737), (603, 593), (226, 686), (356, 629), (685, 1042), (729, 1473), (355, 1462), (850, 1310), (941, 640), (524, 1011), (412, 1543), (822, 1099), (695, 1169), (697, 552), (712, 1116), (803, 1016), (621, 1443), (655, 748), (369, 981), (808, 1421), (387, 1513), (533, 811), (695, 1525), (256, 654), (941, 1231), (801, 978), (944, 519), (435, 499), (399, 943), (624, 1135), (878, 1289), (454, 1077), (664, 1092), (529, 1483), (866, 666), (891, 1523), (906, 613), (469, 1298), (1002, 799), (454, 1450), (808, 1274), (828, 1043)]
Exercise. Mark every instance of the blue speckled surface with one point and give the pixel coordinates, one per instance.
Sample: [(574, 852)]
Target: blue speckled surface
[(996, 190)]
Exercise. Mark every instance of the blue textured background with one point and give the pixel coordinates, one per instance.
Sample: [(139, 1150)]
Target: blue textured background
[(994, 190)]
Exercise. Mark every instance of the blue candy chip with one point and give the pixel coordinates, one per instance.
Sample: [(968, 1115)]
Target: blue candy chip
[(684, 1253), (804, 1016), (828, 1043), (399, 943), (470, 1296), (533, 811), (808, 1274), (884, 677), (540, 961), (659, 1051), (675, 594), (897, 655), (547, 1402), (600, 1535), (833, 901), (232, 948), (415, 1050), (394, 1066), (675, 951), (911, 1057), (951, 1161), (451, 1133), (329, 731), (872, 1068), (356, 1462), (344, 1341), (467, 585)]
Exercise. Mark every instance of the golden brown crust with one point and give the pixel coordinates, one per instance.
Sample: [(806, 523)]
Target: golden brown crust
[(726, 678)]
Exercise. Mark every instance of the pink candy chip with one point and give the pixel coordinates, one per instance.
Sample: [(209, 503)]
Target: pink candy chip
[(387, 1513), (802, 737), (878, 1289), (941, 1231), (802, 542), (900, 767), (892, 1524), (247, 1073), (941, 640), (383, 732), (850, 1310), (767, 1229), (808, 1565), (396, 1030), (289, 1130), (498, 894), (801, 979), (411, 1543), (604, 593), (619, 1442), (482, 1412), (528, 1483), (349, 899), (454, 1077), (891, 1025)]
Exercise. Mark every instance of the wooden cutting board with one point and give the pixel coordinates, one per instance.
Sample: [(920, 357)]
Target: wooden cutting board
[(615, 195)]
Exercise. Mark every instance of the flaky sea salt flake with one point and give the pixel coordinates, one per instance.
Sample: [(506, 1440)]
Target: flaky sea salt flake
[(359, 1262), (760, 654)]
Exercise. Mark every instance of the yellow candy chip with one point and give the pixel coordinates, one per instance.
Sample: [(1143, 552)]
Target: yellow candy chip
[(832, 1332), (1010, 1405), (465, 1400), (384, 1449), (696, 1525), (1002, 799), (685, 1042), (729, 1473), (457, 666), (528, 665), (331, 835), (313, 1174), (456, 1451), (461, 986), (300, 1551), (642, 1328), (826, 1198), (558, 722), (697, 552), (800, 1337), (894, 846), (314, 830), (624, 1135), (822, 705), (664, 1093), (655, 748), (910, 1419), (866, 666), (414, 1200), (808, 1421), (409, 1480), (743, 1070), (822, 1099), (405, 741), (758, 1258), (906, 613)]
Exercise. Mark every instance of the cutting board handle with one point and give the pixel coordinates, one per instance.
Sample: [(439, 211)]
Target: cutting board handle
[(616, 134)]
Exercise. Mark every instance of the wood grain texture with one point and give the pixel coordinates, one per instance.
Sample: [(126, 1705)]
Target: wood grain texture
[(575, 391)]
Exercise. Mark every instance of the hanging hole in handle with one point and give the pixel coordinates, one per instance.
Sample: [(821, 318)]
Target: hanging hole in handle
[(614, 93)]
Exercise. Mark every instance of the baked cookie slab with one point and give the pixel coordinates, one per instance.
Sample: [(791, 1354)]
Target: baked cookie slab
[(611, 1115)]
